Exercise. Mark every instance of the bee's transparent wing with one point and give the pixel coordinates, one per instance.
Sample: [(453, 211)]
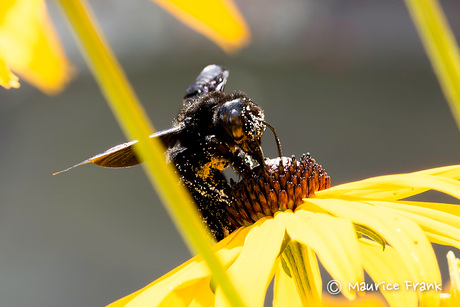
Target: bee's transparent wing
[(211, 79), (123, 155)]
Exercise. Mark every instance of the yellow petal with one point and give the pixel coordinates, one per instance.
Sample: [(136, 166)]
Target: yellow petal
[(437, 223), (191, 273), (285, 292), (333, 240), (198, 294), (219, 20), (202, 296), (155, 293), (7, 78), (402, 234), (454, 274), (451, 171), (252, 272), (442, 240), (30, 46), (436, 212), (394, 187), (369, 300), (385, 267)]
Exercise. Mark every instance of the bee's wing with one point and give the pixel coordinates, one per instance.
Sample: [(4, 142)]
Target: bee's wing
[(211, 79), (123, 155)]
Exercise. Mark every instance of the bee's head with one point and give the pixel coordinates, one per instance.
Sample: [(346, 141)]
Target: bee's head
[(242, 122)]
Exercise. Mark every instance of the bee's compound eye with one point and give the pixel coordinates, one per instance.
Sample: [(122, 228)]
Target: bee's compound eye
[(231, 120), (235, 125)]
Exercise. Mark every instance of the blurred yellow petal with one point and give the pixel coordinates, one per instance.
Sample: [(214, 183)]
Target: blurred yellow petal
[(452, 298), (29, 45), (219, 20), (202, 296), (252, 272), (454, 274), (334, 242), (7, 78), (385, 267), (191, 273), (198, 294), (368, 300)]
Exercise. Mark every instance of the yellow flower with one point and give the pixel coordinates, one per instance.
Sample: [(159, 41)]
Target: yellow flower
[(392, 246), (218, 20), (29, 46), (453, 298)]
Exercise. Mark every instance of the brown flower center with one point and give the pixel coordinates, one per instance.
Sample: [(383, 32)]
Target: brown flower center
[(280, 185)]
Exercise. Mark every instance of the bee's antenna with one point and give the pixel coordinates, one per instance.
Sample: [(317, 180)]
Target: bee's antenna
[(278, 143)]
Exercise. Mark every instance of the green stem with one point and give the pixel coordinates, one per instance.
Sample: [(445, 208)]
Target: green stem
[(441, 48), (131, 117)]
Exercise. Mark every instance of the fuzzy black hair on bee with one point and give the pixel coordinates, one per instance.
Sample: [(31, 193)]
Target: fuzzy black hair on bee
[(213, 131)]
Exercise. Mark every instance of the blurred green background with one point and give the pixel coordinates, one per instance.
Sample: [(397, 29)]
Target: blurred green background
[(347, 81)]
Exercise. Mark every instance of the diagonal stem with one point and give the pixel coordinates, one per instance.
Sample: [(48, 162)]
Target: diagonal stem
[(441, 48), (131, 117)]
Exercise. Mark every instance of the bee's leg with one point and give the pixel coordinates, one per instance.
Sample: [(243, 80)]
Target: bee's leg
[(218, 215), (211, 198), (236, 158), (242, 163), (208, 191)]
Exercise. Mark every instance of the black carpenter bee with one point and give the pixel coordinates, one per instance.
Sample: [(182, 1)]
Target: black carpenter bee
[(214, 130)]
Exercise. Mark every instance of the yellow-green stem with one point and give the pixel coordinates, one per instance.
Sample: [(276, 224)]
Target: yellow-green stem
[(441, 48), (131, 116)]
